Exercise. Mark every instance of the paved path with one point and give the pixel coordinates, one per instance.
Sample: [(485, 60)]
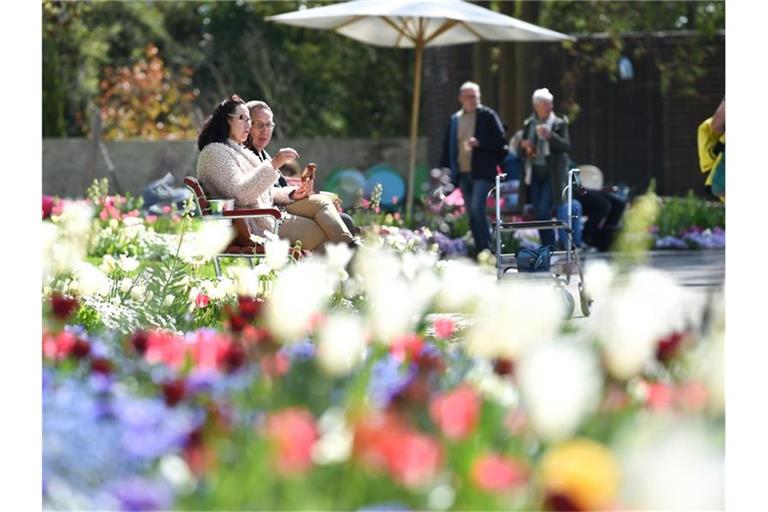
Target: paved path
[(703, 270)]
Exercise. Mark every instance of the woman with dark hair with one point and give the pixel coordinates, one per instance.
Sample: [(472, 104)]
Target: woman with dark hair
[(227, 170), (333, 227)]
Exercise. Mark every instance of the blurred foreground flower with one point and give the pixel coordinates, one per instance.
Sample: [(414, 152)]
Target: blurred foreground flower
[(671, 463), (512, 317), (494, 473), (341, 344), (293, 433), (580, 475), (560, 384), (456, 412)]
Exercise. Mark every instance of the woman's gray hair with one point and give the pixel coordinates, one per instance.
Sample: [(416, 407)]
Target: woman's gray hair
[(542, 95), (257, 105)]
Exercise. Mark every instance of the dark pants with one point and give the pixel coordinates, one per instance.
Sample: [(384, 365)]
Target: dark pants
[(475, 192), (604, 211), (540, 197)]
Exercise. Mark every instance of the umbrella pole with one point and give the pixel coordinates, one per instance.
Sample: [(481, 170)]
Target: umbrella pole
[(414, 129)]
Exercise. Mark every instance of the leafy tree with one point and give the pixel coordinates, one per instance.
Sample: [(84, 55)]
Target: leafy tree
[(147, 101)]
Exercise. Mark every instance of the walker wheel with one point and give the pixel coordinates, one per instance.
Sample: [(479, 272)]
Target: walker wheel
[(568, 301), (585, 300)]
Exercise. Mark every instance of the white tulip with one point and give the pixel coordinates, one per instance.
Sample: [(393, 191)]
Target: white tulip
[(125, 284), (75, 219), (637, 312), (462, 285), (108, 264), (390, 310), (336, 438), (137, 292), (513, 317), (298, 294), (341, 344), (337, 256), (245, 281), (128, 263), (276, 253), (212, 238), (598, 276), (671, 463), (89, 280), (559, 384)]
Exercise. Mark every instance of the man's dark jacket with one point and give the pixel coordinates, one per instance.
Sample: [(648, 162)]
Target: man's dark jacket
[(486, 156)]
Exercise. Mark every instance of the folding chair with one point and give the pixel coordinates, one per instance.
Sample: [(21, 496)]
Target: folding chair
[(238, 218)]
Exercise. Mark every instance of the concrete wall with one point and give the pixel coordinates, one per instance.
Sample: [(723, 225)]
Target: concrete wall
[(68, 164)]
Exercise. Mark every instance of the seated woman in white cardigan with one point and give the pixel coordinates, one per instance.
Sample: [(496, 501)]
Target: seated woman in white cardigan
[(227, 170)]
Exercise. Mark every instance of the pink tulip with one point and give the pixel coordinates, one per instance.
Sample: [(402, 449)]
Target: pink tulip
[(456, 412), (494, 473), (293, 433)]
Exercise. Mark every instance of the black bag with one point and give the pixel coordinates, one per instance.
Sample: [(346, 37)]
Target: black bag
[(533, 260)]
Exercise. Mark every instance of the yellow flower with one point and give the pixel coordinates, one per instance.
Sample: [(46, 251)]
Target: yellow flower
[(583, 471)]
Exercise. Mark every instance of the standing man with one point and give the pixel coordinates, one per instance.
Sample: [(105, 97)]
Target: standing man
[(472, 148)]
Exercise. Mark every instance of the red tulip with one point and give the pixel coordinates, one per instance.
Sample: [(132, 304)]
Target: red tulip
[(80, 349), (249, 307), (174, 391), (62, 307), (406, 347), (101, 365)]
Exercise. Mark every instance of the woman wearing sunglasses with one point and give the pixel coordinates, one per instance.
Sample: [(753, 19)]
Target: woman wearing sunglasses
[(227, 169)]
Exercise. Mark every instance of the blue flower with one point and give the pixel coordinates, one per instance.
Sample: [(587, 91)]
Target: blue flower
[(140, 494), (301, 351), (388, 378)]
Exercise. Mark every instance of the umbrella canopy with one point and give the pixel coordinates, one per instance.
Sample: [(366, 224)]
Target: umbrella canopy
[(416, 24)]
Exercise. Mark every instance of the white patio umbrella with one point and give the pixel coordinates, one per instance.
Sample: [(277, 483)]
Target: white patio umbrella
[(416, 24)]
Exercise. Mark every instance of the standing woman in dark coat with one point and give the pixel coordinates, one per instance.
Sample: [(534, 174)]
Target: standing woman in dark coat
[(545, 145)]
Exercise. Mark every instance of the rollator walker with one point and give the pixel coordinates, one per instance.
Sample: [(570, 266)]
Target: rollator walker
[(560, 272)]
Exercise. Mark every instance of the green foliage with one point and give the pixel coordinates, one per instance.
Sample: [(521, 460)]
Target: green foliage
[(636, 238), (316, 82), (681, 213), (147, 101)]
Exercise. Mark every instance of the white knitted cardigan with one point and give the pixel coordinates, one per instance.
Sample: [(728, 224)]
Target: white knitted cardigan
[(231, 171)]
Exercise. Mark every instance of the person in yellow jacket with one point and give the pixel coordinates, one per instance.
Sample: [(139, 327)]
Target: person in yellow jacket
[(711, 143)]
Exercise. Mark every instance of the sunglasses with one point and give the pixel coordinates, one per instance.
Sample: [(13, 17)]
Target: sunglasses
[(241, 117)]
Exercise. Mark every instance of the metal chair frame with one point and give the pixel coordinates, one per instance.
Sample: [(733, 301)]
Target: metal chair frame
[(203, 210)]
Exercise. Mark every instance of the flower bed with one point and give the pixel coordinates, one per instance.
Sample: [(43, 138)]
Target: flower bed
[(338, 384)]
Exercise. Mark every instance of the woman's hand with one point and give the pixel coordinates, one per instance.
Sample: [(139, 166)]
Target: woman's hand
[(283, 156), (306, 189)]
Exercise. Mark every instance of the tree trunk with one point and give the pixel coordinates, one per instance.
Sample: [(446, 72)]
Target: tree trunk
[(507, 65), (526, 64)]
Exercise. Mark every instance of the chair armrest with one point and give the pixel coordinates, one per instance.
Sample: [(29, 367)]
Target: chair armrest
[(244, 213)]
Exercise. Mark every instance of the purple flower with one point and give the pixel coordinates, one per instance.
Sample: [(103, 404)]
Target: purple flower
[(670, 242), (705, 239), (140, 494), (388, 378)]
